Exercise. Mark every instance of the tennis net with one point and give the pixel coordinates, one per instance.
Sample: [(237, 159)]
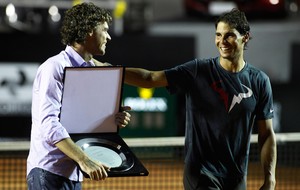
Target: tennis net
[(163, 157)]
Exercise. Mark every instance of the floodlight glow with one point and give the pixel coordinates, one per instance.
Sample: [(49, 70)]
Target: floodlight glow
[(54, 14), (10, 10), (274, 2), (13, 18), (53, 10)]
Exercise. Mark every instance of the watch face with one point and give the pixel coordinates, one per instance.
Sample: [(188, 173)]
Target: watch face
[(107, 152)]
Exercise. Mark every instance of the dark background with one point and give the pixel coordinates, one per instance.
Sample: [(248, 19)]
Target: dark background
[(138, 48)]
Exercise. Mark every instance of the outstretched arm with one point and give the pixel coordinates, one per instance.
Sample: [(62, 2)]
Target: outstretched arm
[(141, 77), (268, 152), (145, 78)]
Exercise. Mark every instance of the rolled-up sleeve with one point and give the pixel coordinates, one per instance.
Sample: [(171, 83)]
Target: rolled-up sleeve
[(48, 88)]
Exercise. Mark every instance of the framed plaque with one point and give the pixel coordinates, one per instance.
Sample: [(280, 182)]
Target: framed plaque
[(91, 98)]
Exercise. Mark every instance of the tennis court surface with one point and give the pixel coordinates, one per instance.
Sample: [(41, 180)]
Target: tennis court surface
[(163, 157)]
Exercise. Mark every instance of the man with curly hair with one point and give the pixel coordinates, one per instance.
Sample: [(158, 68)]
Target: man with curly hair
[(224, 96), (54, 158)]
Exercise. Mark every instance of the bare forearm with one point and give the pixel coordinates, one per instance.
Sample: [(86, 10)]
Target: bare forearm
[(269, 157), (137, 77), (69, 148), (145, 78)]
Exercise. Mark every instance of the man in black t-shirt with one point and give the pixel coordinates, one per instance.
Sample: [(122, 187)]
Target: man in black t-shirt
[(224, 96)]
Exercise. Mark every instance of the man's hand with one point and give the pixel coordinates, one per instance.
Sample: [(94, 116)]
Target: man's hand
[(98, 63), (123, 118), (268, 186), (95, 170), (269, 183)]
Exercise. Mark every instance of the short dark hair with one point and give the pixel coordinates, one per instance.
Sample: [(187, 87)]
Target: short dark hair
[(80, 20), (236, 19)]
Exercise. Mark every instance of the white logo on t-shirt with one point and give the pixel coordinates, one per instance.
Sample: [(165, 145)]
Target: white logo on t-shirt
[(237, 99)]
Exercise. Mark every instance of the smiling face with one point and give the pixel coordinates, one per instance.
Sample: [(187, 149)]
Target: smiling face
[(229, 42), (97, 39)]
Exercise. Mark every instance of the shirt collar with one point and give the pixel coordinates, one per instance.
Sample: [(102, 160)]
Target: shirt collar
[(76, 59)]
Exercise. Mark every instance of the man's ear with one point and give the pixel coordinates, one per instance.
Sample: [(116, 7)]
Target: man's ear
[(246, 37), (91, 33)]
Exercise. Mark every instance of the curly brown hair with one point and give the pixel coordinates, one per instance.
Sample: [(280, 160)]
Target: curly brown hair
[(80, 20)]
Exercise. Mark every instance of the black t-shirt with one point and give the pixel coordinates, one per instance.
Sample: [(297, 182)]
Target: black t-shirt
[(221, 107)]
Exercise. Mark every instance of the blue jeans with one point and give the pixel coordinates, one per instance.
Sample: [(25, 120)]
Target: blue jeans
[(39, 179)]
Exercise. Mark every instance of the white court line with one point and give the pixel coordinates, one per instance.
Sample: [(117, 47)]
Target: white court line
[(148, 141)]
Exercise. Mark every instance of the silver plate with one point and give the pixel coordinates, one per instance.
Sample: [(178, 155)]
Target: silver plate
[(108, 153)]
